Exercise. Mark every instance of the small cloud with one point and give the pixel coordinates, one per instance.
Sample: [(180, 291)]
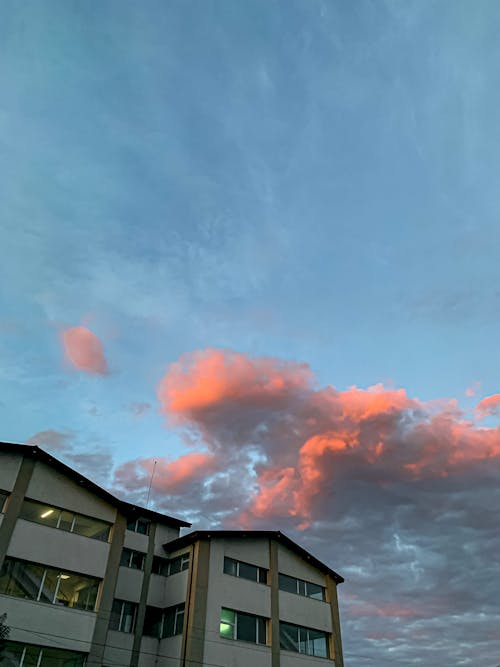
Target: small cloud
[(139, 409), (84, 350), (488, 406), (51, 439), (473, 389)]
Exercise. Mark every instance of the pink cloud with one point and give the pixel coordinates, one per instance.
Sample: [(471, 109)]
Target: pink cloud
[(84, 350), (488, 406)]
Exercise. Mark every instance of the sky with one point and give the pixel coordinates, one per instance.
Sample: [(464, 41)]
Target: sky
[(257, 243)]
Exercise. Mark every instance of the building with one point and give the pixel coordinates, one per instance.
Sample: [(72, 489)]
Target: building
[(88, 579)]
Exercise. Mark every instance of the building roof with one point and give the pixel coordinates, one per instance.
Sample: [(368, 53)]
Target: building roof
[(128, 509), (196, 535)]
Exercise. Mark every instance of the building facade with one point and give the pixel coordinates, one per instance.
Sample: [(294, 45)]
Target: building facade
[(88, 579)]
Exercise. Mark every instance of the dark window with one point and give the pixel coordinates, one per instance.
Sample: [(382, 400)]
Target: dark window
[(54, 517), (248, 571), (3, 498), (160, 566), (132, 559), (123, 616), (301, 587), (245, 627), (45, 584), (178, 564), (303, 640), (139, 526), (25, 654), (153, 622), (173, 621)]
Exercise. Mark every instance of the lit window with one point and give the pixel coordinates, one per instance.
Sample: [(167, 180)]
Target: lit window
[(301, 587), (303, 640), (71, 522), (123, 616), (132, 559), (241, 626), (139, 526), (50, 585), (237, 568)]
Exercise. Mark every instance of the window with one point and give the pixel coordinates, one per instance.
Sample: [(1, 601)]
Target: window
[(3, 498), (24, 655), (139, 526), (133, 559), (300, 587), (245, 627), (173, 621), (45, 584), (244, 570), (161, 623), (165, 567), (303, 640), (123, 616), (64, 520)]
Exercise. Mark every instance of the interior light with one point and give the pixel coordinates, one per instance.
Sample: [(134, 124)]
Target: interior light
[(64, 576), (46, 514)]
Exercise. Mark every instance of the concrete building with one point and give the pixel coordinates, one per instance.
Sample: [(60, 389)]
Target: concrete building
[(88, 579)]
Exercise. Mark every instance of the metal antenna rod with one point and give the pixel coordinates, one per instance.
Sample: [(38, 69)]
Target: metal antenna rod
[(150, 483)]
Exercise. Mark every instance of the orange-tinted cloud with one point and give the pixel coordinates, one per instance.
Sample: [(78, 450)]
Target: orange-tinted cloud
[(169, 476), (84, 350), (308, 440), (488, 406)]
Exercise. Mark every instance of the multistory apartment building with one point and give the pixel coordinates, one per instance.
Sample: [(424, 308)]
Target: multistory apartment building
[(88, 579)]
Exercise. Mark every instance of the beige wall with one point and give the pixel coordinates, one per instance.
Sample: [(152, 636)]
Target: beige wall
[(118, 648), (8, 470), (58, 548), (73, 627), (290, 659), (305, 611), (163, 535), (169, 652), (129, 584), (136, 541), (255, 551), (52, 487), (295, 566), (149, 651), (168, 591)]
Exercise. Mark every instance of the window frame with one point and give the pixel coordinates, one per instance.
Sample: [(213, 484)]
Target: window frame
[(57, 575), (306, 641), (136, 523), (260, 621), (122, 616), (131, 553), (3, 500), (177, 612), (75, 516), (261, 572), (24, 648), (304, 584)]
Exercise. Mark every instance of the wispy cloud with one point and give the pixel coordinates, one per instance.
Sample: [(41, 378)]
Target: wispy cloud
[(84, 350)]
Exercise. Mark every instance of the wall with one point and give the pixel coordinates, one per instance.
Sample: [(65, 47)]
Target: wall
[(50, 486), (8, 470)]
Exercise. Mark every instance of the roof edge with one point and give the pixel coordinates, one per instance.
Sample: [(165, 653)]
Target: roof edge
[(277, 535), (130, 509)]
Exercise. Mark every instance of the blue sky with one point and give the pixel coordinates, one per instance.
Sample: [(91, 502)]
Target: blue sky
[(303, 180)]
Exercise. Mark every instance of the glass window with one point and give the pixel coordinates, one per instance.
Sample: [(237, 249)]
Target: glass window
[(287, 583), (160, 566), (133, 559), (231, 566), (37, 582), (3, 498), (173, 620), (24, 654), (245, 627), (139, 526), (153, 622), (64, 520), (123, 615), (178, 564), (248, 571), (303, 640), (315, 591)]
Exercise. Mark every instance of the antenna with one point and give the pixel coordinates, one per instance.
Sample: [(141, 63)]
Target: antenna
[(151, 483)]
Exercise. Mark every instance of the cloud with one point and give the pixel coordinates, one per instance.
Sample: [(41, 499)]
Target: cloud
[(396, 493), (90, 459), (84, 350), (488, 406), (473, 389), (139, 409)]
